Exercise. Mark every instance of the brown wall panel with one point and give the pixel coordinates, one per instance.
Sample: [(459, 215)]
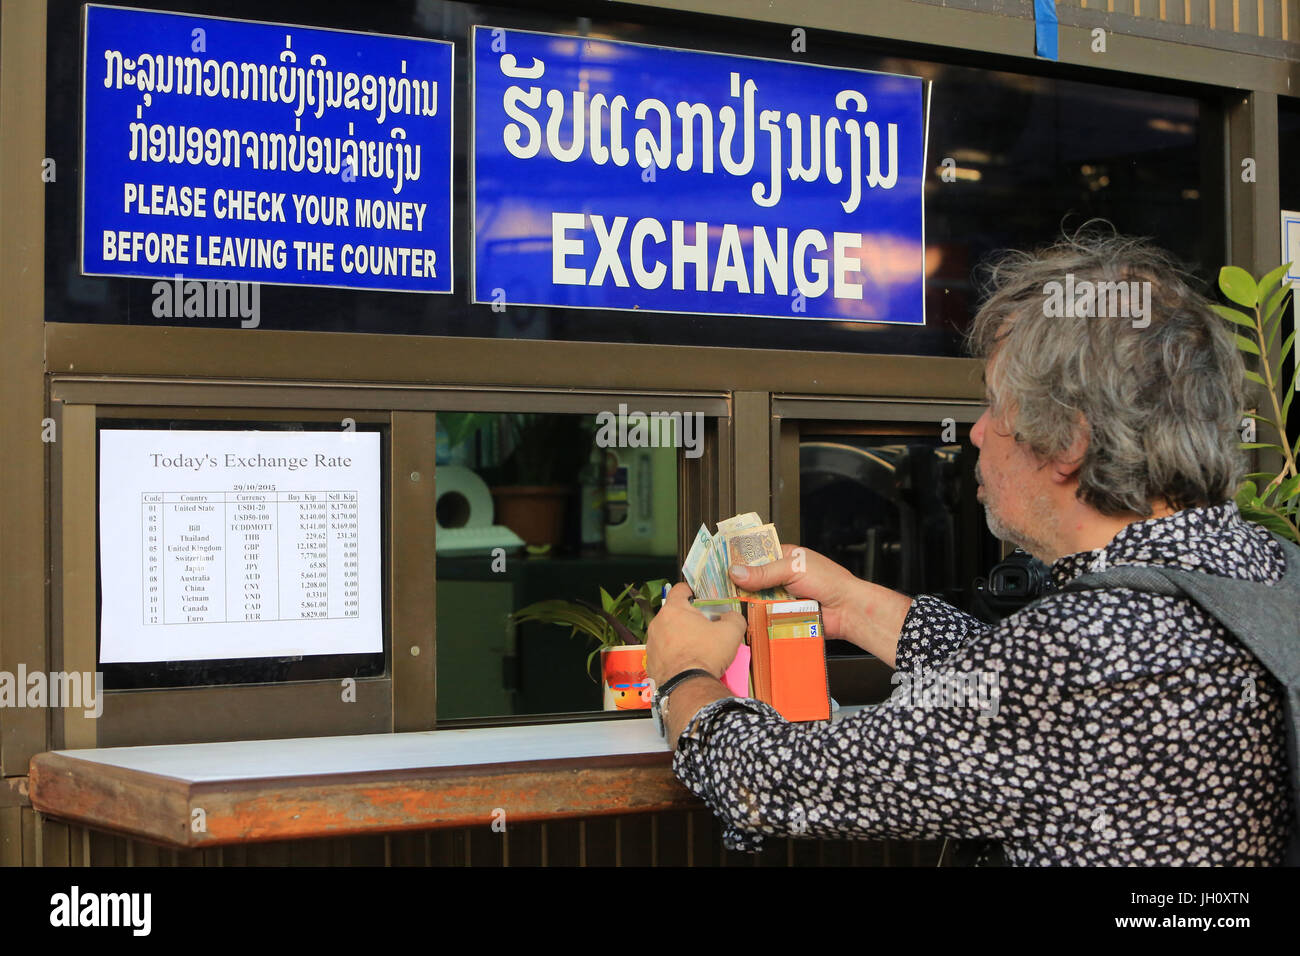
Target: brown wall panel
[(23, 525), (11, 836)]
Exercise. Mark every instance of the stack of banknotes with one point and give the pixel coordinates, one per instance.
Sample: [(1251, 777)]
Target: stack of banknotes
[(743, 539)]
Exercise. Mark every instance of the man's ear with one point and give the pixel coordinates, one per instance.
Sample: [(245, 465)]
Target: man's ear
[(1066, 465)]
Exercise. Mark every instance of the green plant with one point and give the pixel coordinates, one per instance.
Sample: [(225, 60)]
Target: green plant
[(459, 427), (1277, 507), (619, 620)]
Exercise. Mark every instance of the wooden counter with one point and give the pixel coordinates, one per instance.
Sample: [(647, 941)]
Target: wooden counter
[(213, 794)]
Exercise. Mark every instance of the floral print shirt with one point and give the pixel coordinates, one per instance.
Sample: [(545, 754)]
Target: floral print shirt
[(1117, 727)]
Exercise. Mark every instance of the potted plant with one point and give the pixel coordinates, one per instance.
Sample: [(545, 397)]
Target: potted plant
[(618, 626), (539, 475), (1277, 507)]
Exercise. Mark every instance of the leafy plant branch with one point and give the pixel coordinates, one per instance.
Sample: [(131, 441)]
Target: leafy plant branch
[(620, 620), (1278, 506)]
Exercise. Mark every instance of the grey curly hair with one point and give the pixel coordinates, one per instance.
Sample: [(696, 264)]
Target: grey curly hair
[(1160, 404)]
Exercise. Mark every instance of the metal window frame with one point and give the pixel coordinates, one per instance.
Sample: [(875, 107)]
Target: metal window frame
[(404, 699), (791, 412)]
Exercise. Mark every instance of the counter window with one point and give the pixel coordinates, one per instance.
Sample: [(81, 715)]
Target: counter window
[(566, 509)]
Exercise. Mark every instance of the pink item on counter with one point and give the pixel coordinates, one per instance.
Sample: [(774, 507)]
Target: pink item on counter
[(737, 676)]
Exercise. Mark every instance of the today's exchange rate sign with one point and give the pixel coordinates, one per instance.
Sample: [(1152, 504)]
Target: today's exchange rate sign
[(613, 175), (255, 152)]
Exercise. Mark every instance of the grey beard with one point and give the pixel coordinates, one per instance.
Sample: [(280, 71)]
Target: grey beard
[(1018, 538)]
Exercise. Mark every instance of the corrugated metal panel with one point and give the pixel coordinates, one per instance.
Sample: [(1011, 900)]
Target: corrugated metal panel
[(1231, 20), (662, 839)]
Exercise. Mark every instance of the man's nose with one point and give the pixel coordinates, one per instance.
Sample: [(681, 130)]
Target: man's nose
[(977, 432)]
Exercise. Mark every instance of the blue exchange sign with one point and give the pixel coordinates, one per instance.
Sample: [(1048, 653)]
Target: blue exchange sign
[(614, 175), (254, 152)]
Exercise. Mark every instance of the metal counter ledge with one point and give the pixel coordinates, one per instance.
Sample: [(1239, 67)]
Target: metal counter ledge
[(214, 794)]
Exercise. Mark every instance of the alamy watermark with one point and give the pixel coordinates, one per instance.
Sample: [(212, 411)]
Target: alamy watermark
[(79, 908), (917, 688), (1087, 299), (624, 429), (69, 689), (206, 299)]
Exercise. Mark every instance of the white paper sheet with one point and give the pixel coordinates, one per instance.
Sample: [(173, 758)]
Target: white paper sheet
[(1291, 254), (238, 544)]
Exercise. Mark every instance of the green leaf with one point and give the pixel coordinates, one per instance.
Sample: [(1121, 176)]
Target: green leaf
[(461, 426), (1256, 377), (643, 611), (622, 634), (1282, 521), (1246, 492), (1272, 278), (565, 614), (1262, 418), (656, 589), (1246, 345), (1275, 305), (1269, 520), (1287, 343), (1232, 315), (623, 603), (1248, 445), (1238, 286), (606, 601), (1270, 337), (1287, 490)]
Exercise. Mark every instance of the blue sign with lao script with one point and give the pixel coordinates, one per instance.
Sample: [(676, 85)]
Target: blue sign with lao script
[(612, 175), (225, 150)]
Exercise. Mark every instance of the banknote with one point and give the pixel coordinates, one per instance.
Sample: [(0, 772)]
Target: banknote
[(741, 539), (718, 568), (697, 560), (748, 520), (753, 546)]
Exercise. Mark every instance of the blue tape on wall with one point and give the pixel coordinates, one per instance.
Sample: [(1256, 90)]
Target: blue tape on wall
[(1045, 28)]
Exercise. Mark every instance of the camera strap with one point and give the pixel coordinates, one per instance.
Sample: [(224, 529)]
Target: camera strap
[(1263, 617)]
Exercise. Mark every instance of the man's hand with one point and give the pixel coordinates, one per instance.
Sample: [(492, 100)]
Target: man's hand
[(853, 610), (680, 637)]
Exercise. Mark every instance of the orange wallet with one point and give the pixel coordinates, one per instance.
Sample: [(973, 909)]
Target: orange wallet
[(788, 672)]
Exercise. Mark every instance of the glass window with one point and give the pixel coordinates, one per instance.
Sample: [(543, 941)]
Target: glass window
[(896, 507), (548, 507), (894, 503), (1288, 147)]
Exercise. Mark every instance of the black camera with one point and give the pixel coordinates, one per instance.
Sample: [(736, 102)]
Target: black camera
[(1017, 580)]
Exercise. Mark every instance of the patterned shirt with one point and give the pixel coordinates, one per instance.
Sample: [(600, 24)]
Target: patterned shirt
[(1103, 727)]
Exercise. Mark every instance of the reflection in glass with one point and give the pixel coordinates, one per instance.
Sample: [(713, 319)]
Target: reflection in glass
[(533, 507), (897, 510)]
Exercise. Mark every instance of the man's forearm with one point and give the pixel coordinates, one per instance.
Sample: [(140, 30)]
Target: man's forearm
[(874, 620), (686, 699)]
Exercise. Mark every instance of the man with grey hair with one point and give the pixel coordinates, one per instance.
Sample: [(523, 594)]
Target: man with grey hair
[(1132, 727)]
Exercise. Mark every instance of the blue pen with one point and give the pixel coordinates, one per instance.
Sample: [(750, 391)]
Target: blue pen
[(667, 587)]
